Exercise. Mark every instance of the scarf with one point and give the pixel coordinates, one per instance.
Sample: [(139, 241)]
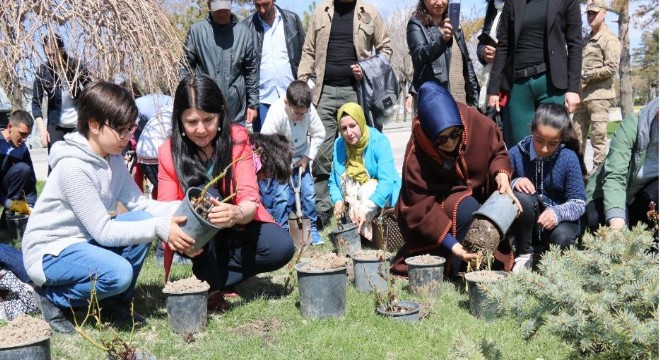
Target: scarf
[(355, 168)]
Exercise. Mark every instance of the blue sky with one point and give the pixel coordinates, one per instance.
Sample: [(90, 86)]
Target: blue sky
[(468, 7)]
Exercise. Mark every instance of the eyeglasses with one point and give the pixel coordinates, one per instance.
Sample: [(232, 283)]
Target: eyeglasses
[(123, 133), (298, 114), (442, 139)]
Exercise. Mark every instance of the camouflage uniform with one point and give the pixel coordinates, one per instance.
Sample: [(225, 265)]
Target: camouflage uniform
[(600, 62)]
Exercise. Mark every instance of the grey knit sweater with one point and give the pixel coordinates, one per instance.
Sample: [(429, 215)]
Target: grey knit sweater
[(77, 201)]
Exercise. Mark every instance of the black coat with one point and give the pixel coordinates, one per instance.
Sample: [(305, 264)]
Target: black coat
[(491, 12), (563, 46), (431, 56), (293, 31), (47, 82)]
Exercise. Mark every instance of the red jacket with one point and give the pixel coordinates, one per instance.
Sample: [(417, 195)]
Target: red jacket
[(244, 175)]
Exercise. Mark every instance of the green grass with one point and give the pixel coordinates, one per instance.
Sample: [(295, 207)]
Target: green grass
[(262, 326), (259, 326)]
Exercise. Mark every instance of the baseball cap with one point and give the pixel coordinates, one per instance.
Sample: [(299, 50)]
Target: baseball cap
[(596, 5), (220, 5)]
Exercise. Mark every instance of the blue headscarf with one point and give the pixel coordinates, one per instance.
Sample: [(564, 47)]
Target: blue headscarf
[(437, 109)]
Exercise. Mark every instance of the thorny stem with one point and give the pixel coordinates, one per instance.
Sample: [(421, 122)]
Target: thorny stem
[(292, 268), (224, 172)]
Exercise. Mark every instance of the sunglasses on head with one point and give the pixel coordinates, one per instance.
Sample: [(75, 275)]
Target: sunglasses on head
[(442, 139)]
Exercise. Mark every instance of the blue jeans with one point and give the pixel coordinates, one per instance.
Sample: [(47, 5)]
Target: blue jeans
[(70, 275), (280, 200), (261, 117)]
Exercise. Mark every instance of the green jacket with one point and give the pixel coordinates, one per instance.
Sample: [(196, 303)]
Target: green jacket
[(625, 158), (225, 53)]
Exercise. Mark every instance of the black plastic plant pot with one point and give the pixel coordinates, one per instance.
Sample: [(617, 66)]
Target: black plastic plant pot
[(409, 311), (425, 279), (16, 225), (370, 274), (346, 239), (186, 312), (38, 349), (322, 293), (195, 225), (478, 300)]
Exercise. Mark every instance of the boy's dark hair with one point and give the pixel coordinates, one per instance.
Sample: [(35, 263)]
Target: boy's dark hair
[(21, 117), (556, 117), (107, 104), (299, 94), (275, 155)]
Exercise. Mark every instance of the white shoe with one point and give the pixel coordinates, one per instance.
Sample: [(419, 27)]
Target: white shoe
[(523, 261)]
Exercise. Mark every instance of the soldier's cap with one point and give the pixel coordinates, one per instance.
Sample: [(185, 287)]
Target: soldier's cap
[(220, 5), (596, 5)]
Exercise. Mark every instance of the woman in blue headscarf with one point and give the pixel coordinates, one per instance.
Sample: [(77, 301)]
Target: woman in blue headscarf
[(453, 162)]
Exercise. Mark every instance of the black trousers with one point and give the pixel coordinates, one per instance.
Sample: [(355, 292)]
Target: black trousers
[(19, 181), (238, 254), (531, 237), (636, 211)]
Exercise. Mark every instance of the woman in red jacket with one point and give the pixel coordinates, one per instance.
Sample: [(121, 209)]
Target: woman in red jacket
[(203, 143)]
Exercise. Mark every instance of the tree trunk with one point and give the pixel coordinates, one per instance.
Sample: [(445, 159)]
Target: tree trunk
[(625, 70)]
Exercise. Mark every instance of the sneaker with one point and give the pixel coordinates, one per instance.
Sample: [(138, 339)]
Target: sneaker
[(51, 313), (216, 302), (119, 312), (523, 261)]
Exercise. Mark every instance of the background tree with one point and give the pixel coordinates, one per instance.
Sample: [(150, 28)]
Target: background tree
[(645, 68), (307, 15), (132, 38)]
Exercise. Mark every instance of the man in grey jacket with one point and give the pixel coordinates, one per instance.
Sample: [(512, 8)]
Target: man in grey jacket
[(278, 37), (222, 48)]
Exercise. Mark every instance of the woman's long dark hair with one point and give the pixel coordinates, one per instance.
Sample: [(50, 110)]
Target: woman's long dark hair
[(275, 155), (423, 15), (202, 93), (556, 117)]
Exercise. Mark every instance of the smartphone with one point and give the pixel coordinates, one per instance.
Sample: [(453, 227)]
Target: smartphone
[(454, 13), (485, 39)]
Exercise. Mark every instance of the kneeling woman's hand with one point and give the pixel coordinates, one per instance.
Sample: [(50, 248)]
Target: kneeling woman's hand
[(225, 215), (459, 250), (177, 240)]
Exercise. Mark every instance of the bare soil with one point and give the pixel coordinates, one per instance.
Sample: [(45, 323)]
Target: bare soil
[(379, 255), (260, 327), (482, 235), (186, 286), (23, 330), (484, 276), (424, 260), (395, 309), (325, 262), (202, 206)]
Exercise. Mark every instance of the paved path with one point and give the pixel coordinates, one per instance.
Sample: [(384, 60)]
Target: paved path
[(397, 132)]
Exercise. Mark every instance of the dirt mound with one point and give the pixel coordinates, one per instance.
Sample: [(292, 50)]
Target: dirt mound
[(482, 235), (186, 286), (23, 330), (424, 260), (324, 263), (371, 255)]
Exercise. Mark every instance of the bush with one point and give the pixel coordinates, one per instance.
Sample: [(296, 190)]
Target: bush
[(602, 300)]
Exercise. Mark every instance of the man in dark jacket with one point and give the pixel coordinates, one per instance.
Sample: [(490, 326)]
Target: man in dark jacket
[(222, 48), (278, 37)]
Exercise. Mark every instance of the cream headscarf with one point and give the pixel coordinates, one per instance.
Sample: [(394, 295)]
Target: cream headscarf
[(355, 168)]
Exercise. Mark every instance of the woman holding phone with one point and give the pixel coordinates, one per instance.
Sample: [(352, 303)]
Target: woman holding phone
[(439, 52)]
